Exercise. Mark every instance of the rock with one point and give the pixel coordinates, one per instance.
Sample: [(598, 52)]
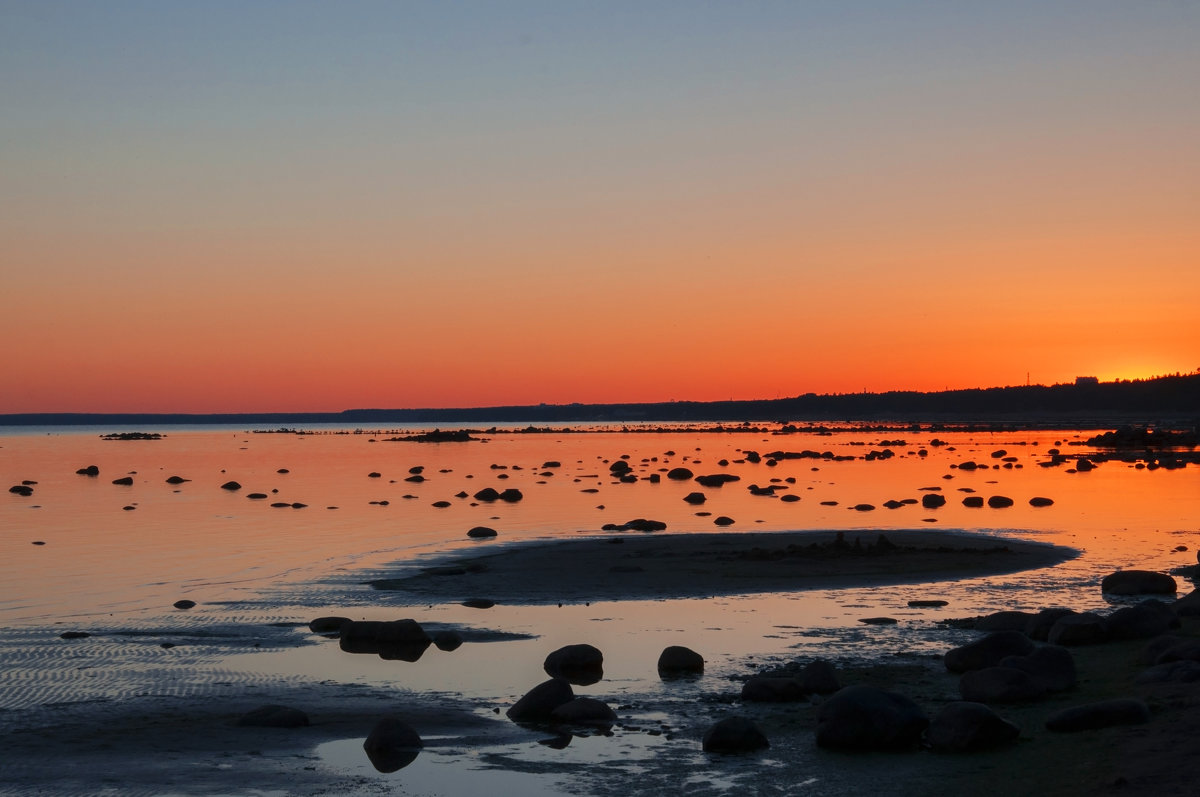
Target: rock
[(392, 745), (716, 479), (124, 481), (769, 689), (90, 470), (1150, 618), (539, 703), (987, 652), (1039, 501), (679, 474), (479, 603), (447, 640), (1188, 605), (585, 711), (1040, 624), (642, 524), (819, 677), (231, 486), (999, 501), (74, 635), (933, 500), (1004, 621), (863, 507), (397, 640), (374, 474), (931, 604), (257, 496), (580, 665), (21, 489), (480, 532), (1177, 672), (183, 604), (999, 685), (695, 498), (511, 495), (273, 716), (1121, 711), (1087, 628), (176, 480), (723, 521), (734, 735), (1051, 666), (487, 494), (866, 718), (676, 660), (1156, 647), (1138, 582), (964, 727), (331, 626), (878, 620), (1183, 650)]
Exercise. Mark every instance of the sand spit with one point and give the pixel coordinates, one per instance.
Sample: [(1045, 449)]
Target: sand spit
[(641, 567)]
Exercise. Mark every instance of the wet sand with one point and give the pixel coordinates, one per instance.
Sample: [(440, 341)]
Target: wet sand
[(649, 566)]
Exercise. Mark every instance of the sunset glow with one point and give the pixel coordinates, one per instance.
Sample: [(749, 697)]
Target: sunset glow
[(225, 207)]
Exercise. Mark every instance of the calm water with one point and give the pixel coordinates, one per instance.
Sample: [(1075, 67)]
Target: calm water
[(103, 567)]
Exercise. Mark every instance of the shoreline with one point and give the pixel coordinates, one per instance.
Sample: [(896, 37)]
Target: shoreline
[(635, 566)]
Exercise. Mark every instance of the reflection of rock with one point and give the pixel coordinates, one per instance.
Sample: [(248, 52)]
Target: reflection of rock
[(403, 640), (734, 735), (581, 665), (392, 745), (274, 717), (447, 640)]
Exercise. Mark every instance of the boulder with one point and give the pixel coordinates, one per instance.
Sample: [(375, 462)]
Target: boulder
[(964, 727), (734, 735), (679, 474), (124, 481), (1138, 582), (1177, 672), (695, 498), (723, 521), (819, 677), (987, 652), (1120, 711), (973, 501), (581, 665), (392, 745), (479, 603), (999, 685), (331, 626), (397, 640), (866, 718), (1051, 666), (999, 502), (933, 500), (447, 640), (90, 470), (585, 711), (1150, 618), (677, 660), (487, 494), (1086, 628), (1004, 621), (770, 689), (716, 479), (480, 532), (1188, 605), (184, 604), (1040, 501), (1040, 624), (540, 701), (274, 717), (176, 480), (511, 495), (1183, 650)]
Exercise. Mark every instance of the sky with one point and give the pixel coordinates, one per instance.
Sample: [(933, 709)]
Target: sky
[(314, 206)]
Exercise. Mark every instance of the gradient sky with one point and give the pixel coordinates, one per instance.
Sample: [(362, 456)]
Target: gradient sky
[(289, 206)]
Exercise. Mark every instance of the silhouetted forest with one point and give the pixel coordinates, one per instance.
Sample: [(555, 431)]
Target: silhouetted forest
[(1174, 399)]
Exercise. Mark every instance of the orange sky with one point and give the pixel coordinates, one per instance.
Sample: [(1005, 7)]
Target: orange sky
[(399, 207)]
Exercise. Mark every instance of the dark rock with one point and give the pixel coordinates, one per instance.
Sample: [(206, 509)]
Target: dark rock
[(1188, 605), (1176, 672), (581, 665), (866, 718), (933, 500), (863, 507), (447, 640), (964, 727), (921, 604), (1004, 621), (1150, 618), (539, 703), (679, 474), (257, 496), (487, 494), (770, 689), (331, 626), (183, 604), (999, 685), (677, 660), (789, 498), (124, 481), (1121, 711), (716, 479), (878, 620), (1156, 647), (642, 524), (396, 640), (1086, 628), (999, 501), (987, 652), (1039, 501), (441, 504), (585, 711), (74, 635), (231, 485), (1040, 624), (1051, 666), (723, 521), (1138, 582), (21, 489), (90, 470), (481, 532), (392, 745), (176, 480), (973, 501), (374, 474), (511, 495), (734, 735), (695, 498), (273, 716), (479, 603), (1184, 650), (819, 677)]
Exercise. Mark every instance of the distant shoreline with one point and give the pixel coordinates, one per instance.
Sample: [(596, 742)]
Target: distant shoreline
[(1168, 400)]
